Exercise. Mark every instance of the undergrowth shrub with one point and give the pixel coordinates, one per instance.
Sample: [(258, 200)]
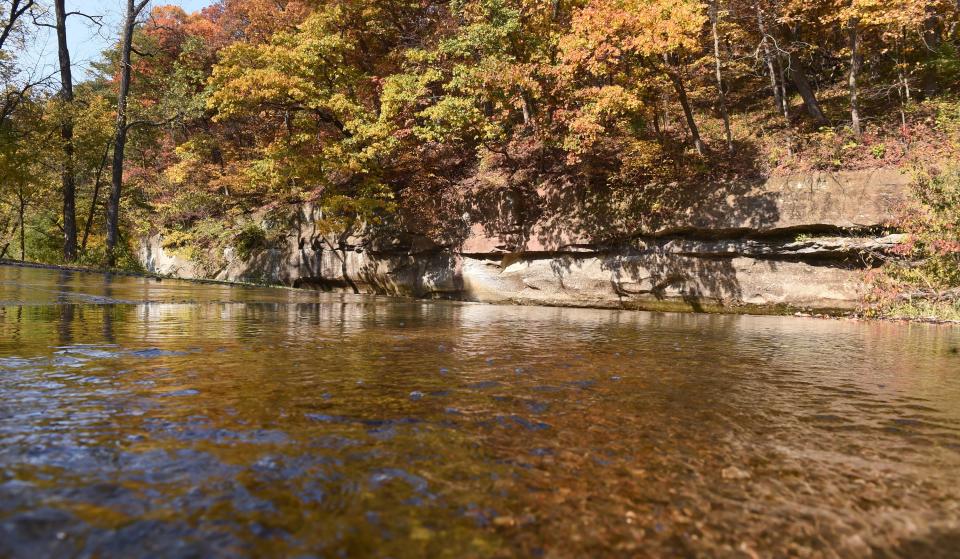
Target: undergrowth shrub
[(251, 239), (925, 276)]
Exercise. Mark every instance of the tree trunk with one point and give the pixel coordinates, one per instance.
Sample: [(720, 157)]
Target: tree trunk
[(94, 199), (6, 246), (768, 59), (904, 88), (784, 96), (722, 96), (798, 76), (526, 106), (677, 81), (120, 139), (67, 176), (854, 73), (904, 79), (21, 211), (932, 40), (779, 87), (656, 122), (799, 79), (785, 107)]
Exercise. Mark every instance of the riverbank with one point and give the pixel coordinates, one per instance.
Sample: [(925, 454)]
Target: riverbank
[(131, 273), (800, 243), (752, 310), (927, 311)]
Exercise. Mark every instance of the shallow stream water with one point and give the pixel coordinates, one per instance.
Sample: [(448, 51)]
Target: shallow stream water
[(167, 419)]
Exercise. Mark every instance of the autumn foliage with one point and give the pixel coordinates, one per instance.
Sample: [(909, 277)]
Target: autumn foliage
[(414, 110)]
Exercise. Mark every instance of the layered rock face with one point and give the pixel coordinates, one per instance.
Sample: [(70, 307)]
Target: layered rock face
[(799, 242)]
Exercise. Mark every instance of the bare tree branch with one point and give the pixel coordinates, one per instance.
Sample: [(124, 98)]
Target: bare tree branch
[(16, 11), (96, 20)]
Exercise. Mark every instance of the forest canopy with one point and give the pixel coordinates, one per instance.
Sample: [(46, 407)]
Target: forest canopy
[(386, 110)]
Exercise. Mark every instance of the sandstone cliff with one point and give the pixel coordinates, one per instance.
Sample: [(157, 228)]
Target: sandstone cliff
[(800, 242)]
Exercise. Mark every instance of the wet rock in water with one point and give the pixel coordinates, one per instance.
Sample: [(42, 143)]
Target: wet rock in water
[(734, 472), (38, 533), (267, 464), (538, 407), (175, 393), (384, 475), (416, 395), (484, 385), (156, 352)]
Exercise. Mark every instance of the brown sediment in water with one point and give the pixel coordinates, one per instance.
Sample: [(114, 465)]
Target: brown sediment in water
[(154, 419)]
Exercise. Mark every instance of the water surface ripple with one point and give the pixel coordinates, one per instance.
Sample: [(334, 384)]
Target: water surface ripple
[(166, 419)]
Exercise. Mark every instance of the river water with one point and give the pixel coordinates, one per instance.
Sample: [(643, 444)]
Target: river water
[(167, 419)]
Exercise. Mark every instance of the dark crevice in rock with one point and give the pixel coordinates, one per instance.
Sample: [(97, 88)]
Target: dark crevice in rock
[(780, 233), (853, 250), (323, 284)]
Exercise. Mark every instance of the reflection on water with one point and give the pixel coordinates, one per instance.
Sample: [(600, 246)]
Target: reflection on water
[(165, 419)]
